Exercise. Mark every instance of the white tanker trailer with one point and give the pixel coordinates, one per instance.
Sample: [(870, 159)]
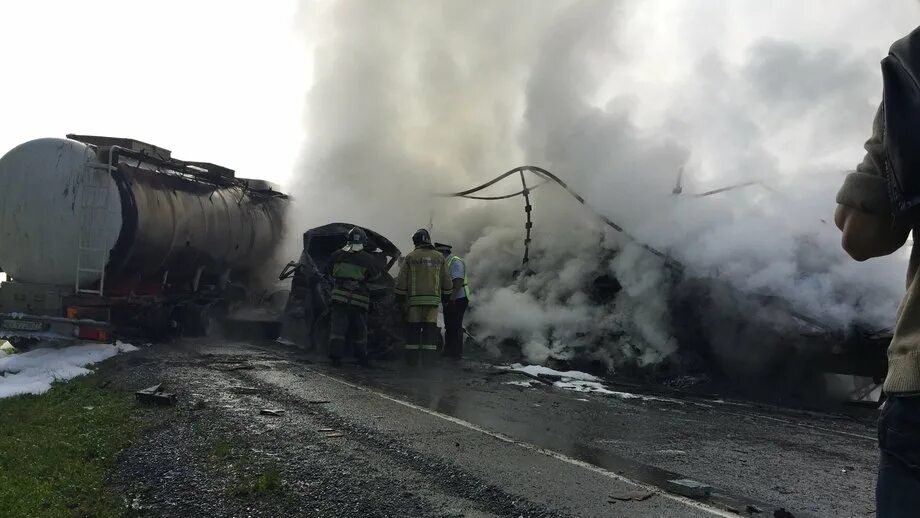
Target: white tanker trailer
[(103, 237)]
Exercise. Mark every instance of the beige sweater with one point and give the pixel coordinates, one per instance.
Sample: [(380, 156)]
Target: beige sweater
[(867, 190)]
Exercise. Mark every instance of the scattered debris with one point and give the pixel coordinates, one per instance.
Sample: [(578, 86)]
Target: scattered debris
[(277, 412), (88, 407), (753, 509), (782, 513), (319, 402), (334, 435), (635, 495), (155, 395), (689, 488)]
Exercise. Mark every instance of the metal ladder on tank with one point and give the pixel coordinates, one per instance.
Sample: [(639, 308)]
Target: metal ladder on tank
[(92, 238)]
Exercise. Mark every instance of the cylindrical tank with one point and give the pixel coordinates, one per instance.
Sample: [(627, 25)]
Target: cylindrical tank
[(59, 199)]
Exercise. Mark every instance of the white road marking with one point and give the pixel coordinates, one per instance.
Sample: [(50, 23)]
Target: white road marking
[(715, 511)]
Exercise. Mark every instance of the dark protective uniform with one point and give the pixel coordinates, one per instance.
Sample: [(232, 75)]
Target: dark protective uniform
[(351, 272)]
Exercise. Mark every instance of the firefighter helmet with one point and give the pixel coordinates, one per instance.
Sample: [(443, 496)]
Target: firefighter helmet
[(356, 239), (421, 237)]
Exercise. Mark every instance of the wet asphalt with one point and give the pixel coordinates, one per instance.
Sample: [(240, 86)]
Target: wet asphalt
[(465, 439)]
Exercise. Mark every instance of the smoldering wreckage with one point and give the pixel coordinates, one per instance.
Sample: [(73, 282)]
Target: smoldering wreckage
[(107, 238)]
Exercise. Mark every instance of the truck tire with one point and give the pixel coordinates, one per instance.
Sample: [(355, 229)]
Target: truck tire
[(162, 323), (197, 321)]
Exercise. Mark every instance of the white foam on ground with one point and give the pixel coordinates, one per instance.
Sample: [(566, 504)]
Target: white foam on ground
[(597, 388), (536, 370), (578, 382), (519, 383), (33, 371)]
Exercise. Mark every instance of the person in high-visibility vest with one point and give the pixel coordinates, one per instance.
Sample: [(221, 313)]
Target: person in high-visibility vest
[(351, 268), (423, 285), (457, 304)]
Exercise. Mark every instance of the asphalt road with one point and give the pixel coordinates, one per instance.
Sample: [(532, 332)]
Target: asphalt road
[(466, 440)]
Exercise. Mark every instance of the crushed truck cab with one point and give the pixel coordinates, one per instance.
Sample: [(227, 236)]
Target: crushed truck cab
[(311, 289)]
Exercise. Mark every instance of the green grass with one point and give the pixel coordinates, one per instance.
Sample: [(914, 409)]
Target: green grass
[(266, 483), (55, 452), (222, 450)]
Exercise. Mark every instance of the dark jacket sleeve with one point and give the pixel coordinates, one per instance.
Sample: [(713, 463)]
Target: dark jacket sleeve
[(867, 188), (373, 272), (330, 265)]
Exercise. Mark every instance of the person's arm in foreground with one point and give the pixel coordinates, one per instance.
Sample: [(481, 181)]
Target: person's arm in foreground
[(864, 212)]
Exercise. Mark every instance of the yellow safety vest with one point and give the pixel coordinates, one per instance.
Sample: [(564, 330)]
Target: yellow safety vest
[(466, 278)]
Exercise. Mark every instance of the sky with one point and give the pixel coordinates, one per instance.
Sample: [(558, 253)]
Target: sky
[(213, 81)]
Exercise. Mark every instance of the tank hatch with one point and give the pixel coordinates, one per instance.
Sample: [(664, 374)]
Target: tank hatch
[(134, 145), (213, 169)]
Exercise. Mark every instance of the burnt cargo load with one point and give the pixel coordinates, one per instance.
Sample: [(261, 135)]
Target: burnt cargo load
[(311, 290), (101, 236)]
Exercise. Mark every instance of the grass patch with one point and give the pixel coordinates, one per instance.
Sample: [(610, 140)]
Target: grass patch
[(265, 483), (222, 450), (57, 448)]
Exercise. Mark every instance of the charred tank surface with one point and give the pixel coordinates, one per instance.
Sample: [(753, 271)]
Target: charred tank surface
[(126, 236), (311, 288), (63, 202)]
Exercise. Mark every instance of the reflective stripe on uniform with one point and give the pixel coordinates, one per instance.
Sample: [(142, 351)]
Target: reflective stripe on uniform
[(345, 270), (417, 347), (424, 300), (343, 300), (350, 297)]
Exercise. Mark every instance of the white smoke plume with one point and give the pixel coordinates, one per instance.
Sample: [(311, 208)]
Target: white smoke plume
[(416, 98)]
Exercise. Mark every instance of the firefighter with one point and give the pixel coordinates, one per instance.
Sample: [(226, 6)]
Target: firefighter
[(423, 285), (351, 269), (457, 305)]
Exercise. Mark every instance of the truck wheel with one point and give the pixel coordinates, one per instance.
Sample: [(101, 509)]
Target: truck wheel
[(197, 321)]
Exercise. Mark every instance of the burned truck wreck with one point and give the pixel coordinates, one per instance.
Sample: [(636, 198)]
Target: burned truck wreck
[(311, 288), (720, 331)]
